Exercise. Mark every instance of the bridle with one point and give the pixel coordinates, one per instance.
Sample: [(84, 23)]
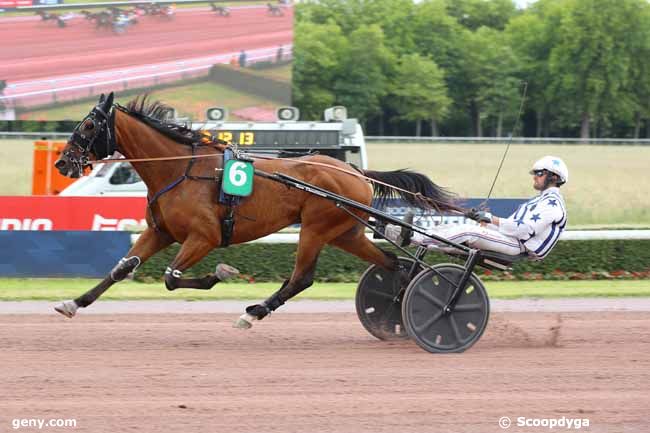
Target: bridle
[(98, 139)]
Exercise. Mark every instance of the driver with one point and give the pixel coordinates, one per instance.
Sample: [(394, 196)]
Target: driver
[(534, 228)]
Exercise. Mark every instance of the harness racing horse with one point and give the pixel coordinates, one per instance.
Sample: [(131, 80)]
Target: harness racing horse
[(183, 207)]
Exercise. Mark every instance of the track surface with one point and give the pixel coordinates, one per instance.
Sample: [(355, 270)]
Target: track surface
[(320, 373), (39, 49)]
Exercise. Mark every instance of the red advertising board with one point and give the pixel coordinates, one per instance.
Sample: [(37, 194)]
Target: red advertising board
[(71, 213)]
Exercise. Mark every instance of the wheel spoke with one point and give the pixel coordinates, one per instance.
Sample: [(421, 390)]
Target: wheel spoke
[(455, 328), (433, 319), (468, 307), (432, 299), (381, 294), (387, 312)]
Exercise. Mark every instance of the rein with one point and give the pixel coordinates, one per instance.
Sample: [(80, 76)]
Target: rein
[(213, 155)]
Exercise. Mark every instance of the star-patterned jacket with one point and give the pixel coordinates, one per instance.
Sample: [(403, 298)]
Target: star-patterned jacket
[(537, 223)]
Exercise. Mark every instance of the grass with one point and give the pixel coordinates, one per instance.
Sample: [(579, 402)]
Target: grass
[(190, 100), (16, 167), (281, 73), (56, 289), (608, 185)]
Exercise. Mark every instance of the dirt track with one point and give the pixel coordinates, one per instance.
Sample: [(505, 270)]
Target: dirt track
[(320, 373), (40, 49)]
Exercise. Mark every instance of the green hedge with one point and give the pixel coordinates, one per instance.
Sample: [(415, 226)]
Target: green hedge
[(274, 262)]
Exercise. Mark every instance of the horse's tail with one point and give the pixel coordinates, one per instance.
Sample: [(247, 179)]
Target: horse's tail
[(422, 192)]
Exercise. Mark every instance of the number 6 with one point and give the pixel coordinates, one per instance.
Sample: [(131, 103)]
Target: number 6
[(236, 175)]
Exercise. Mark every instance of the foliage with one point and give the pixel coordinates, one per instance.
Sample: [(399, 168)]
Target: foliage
[(475, 14), (362, 88), (419, 89), (274, 262), (586, 63), (316, 69), (590, 64)]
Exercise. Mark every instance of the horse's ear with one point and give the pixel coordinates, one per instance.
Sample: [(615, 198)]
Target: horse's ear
[(102, 98), (109, 102)]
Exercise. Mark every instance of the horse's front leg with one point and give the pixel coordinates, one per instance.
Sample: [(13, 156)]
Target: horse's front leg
[(148, 244), (193, 250)]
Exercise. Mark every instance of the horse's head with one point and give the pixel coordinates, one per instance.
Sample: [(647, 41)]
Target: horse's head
[(93, 138)]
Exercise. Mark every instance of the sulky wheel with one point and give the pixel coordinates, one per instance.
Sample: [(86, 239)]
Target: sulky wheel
[(379, 297), (423, 310)]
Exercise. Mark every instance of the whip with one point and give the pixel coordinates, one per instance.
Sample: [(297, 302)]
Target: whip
[(514, 131)]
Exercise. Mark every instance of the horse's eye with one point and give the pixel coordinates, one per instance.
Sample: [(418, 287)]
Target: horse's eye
[(89, 126)]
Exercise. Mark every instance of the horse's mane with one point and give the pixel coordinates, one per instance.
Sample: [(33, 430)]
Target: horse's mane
[(155, 114)]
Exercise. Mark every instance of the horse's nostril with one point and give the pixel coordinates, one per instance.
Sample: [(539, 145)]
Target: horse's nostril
[(59, 164)]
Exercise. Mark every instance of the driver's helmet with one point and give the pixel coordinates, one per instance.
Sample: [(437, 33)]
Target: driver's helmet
[(554, 165)]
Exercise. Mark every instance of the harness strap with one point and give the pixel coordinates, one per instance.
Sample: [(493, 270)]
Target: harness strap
[(156, 196), (227, 225), (174, 184), (229, 201)]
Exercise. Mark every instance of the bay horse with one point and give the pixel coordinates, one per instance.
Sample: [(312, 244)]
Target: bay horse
[(183, 206)]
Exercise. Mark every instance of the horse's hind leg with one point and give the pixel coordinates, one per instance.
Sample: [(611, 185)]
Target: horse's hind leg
[(355, 242), (193, 250), (302, 277), (148, 244)]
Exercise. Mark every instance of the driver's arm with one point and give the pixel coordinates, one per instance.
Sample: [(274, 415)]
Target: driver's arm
[(534, 221)]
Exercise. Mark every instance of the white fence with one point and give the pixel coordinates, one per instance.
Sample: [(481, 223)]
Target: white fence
[(569, 235)]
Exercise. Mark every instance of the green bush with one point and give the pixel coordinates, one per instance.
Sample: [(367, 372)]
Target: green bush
[(274, 262)]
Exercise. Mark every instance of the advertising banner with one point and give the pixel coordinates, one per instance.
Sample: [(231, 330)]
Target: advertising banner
[(52, 213)]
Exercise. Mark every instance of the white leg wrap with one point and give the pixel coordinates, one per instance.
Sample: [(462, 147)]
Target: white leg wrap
[(225, 271), (245, 321), (174, 272), (67, 308), (117, 274)]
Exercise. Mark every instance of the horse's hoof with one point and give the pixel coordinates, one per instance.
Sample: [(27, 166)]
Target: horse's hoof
[(67, 308), (245, 321), (225, 271)]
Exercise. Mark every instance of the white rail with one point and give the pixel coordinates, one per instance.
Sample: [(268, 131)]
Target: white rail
[(569, 235)]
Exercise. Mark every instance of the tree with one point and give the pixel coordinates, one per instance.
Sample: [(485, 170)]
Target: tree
[(318, 51), (532, 36), (419, 91), (591, 63), (587, 63), (439, 36), (365, 66), (639, 85), (474, 14), (392, 16), (497, 80)]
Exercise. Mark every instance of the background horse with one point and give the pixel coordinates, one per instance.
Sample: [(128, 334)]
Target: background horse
[(183, 203)]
